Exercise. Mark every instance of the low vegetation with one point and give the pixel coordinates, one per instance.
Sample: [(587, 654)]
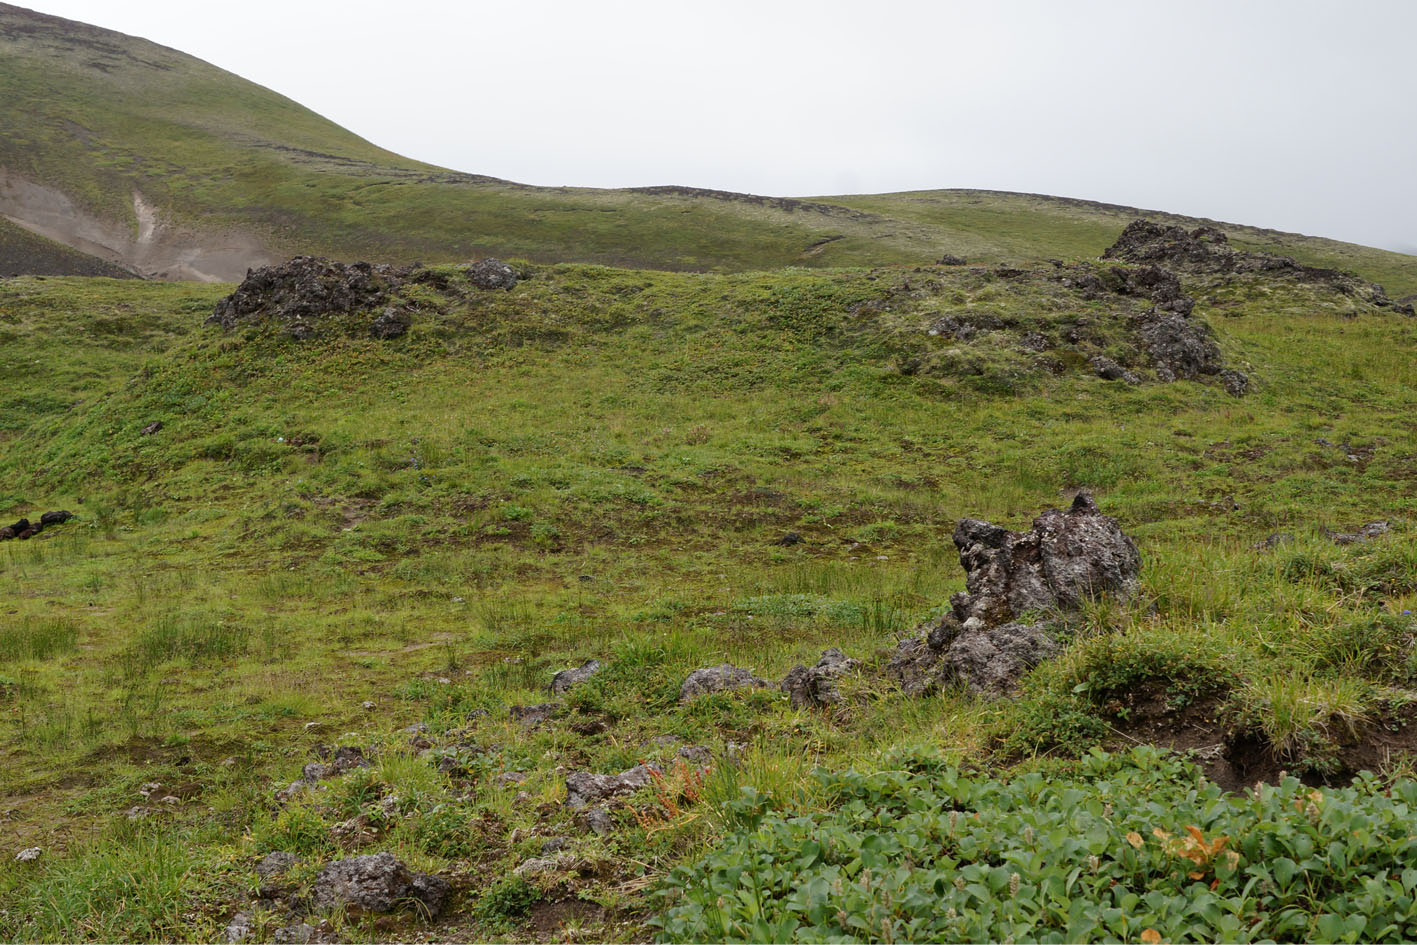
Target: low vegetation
[(388, 544)]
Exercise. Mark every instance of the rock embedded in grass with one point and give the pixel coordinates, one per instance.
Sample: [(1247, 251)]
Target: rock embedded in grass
[(376, 883), (815, 685), (567, 679), (718, 679), (584, 788), (492, 273), (1064, 559)]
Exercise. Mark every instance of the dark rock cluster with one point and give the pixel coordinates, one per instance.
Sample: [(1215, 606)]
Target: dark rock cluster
[(1208, 250), (24, 528), (300, 292)]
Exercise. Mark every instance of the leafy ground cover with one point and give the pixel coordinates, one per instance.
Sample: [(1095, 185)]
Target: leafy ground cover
[(602, 463)]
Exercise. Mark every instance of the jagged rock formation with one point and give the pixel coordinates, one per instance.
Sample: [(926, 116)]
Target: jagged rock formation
[(377, 883), (1208, 250), (985, 643), (298, 293), (716, 679), (810, 686)]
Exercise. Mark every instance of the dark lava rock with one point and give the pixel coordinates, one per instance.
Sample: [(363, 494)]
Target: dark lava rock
[(1110, 370), (334, 762), (1237, 383), (566, 679), (698, 754), (492, 274), (583, 788), (534, 715), (1207, 250), (949, 260), (816, 685), (391, 323), (599, 821), (151, 428), (790, 539), (1063, 559), (1178, 346), (984, 660), (376, 883), (55, 518), (1273, 541), (1366, 533), (299, 293), (717, 679), (275, 864)]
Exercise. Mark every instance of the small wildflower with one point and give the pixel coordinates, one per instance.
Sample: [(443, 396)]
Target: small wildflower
[(1013, 886)]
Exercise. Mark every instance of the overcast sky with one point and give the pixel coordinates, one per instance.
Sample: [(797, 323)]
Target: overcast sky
[(1294, 115)]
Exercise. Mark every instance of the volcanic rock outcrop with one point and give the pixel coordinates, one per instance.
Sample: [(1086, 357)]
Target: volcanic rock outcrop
[(1000, 626)]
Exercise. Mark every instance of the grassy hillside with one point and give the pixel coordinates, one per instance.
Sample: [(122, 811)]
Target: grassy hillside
[(94, 117), (333, 539)]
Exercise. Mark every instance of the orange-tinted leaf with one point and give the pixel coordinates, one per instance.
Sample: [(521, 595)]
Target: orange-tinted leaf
[(1150, 936), (1135, 840)]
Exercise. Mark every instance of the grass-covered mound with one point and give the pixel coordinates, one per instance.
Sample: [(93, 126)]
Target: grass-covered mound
[(603, 463)]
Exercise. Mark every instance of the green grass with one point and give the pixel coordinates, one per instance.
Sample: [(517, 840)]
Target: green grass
[(599, 463)]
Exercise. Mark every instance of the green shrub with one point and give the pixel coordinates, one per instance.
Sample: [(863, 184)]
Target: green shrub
[(1134, 847)]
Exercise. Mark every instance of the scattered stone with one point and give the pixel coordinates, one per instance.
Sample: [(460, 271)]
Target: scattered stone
[(376, 883), (367, 706), (492, 273), (1237, 383), (1179, 347), (303, 933), (717, 679), (28, 855), (1064, 558), (274, 864), (1273, 541), (811, 686), (533, 716), (554, 845), (337, 761), (509, 778), (151, 428), (537, 865), (239, 928), (697, 754), (599, 821), (950, 260), (1366, 533), (136, 812), (1110, 370), (391, 323), (584, 788), (566, 679), (149, 789), (790, 539)]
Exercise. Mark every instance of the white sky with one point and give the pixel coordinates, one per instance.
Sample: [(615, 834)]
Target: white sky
[(1296, 115)]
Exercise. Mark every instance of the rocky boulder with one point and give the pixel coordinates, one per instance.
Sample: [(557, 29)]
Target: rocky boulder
[(812, 686), (566, 679), (983, 645), (492, 273), (1055, 565), (299, 293), (584, 788), (378, 882), (717, 679)]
